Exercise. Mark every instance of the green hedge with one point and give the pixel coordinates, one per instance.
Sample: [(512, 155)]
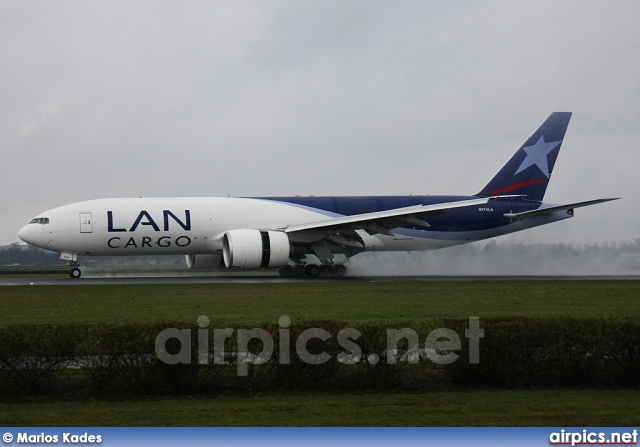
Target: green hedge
[(98, 359), (521, 352)]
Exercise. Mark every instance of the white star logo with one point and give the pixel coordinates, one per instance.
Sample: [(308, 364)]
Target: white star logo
[(537, 155)]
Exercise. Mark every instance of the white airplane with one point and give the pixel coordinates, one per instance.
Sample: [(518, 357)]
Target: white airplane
[(308, 235)]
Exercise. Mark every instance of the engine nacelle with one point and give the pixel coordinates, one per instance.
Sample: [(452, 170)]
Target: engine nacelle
[(254, 249), (204, 262)]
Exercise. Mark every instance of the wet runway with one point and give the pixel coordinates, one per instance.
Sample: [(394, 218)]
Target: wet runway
[(277, 279)]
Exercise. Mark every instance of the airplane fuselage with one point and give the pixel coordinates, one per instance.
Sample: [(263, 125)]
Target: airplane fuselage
[(195, 225)]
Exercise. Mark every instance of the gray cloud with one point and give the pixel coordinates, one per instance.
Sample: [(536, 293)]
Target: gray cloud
[(199, 98)]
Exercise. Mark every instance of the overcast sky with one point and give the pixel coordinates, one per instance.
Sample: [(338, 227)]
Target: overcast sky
[(206, 98)]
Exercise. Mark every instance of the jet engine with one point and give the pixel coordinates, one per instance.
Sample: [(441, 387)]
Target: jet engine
[(204, 262), (254, 249)]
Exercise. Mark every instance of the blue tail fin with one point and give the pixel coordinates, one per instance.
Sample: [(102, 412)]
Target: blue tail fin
[(529, 170)]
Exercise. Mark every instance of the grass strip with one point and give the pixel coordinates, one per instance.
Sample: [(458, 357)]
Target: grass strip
[(473, 408), (248, 304)]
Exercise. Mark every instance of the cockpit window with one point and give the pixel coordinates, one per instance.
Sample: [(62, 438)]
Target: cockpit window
[(40, 220)]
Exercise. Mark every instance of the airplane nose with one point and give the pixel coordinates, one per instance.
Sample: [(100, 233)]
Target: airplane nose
[(24, 233)]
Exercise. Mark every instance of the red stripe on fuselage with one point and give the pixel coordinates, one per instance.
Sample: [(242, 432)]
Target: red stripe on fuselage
[(516, 186)]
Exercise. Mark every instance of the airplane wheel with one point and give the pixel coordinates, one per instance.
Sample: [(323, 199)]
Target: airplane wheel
[(326, 270), (339, 270), (286, 271), (75, 273), (312, 270)]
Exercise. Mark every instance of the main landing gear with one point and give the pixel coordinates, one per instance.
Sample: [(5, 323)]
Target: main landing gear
[(313, 270)]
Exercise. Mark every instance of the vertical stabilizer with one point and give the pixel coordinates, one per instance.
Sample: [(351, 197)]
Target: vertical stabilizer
[(529, 170)]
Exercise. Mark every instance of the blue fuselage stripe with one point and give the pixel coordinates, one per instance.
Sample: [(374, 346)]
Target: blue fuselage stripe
[(474, 218)]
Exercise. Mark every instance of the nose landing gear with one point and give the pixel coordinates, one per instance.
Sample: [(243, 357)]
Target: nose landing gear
[(73, 263), (75, 271)]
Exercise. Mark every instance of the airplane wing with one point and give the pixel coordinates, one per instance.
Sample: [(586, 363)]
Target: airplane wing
[(373, 223), (551, 209)]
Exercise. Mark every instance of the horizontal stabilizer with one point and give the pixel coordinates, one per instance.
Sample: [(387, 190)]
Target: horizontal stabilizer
[(552, 209)]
